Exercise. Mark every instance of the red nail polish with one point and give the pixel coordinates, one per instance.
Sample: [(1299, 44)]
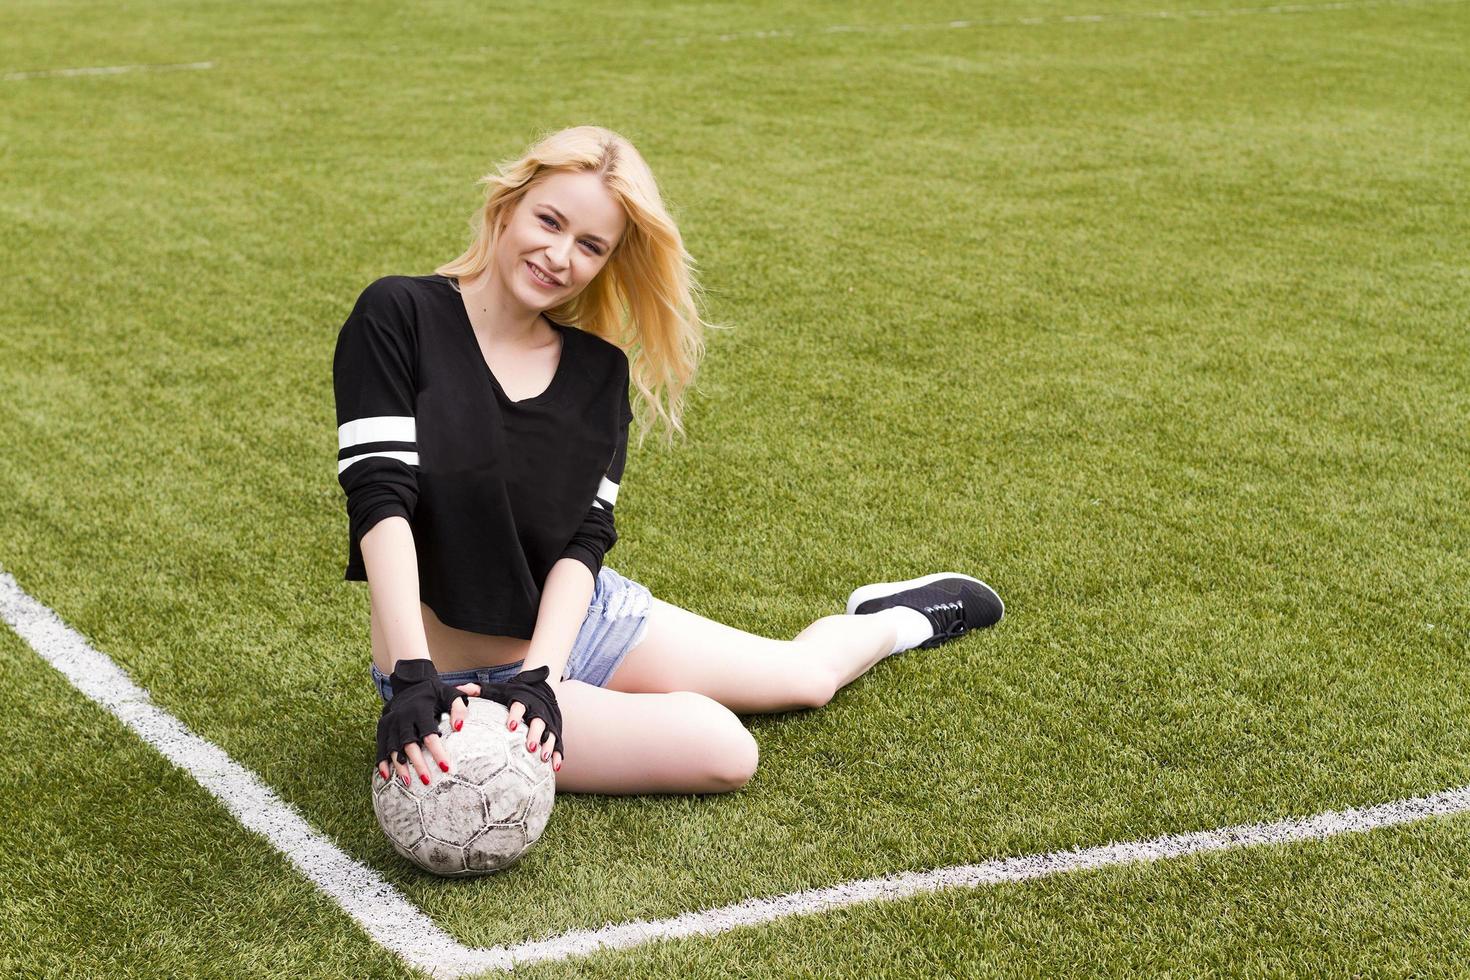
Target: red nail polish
[(557, 767), (513, 725), (459, 724), (405, 780), (425, 777), (444, 766)]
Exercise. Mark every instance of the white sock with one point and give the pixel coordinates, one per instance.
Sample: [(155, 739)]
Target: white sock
[(911, 626)]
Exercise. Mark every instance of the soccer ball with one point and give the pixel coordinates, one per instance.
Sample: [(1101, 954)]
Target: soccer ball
[(484, 813)]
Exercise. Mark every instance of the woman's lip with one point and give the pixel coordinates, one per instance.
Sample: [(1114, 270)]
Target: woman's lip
[(543, 285)]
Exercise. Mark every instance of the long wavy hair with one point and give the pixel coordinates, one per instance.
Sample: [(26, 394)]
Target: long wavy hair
[(647, 299)]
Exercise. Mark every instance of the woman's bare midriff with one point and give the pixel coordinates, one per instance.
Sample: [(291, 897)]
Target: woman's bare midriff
[(454, 649)]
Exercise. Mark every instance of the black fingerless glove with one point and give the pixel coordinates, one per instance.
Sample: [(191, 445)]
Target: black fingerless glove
[(419, 698), (530, 688)]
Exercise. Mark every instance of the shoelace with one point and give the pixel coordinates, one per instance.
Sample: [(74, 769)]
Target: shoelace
[(948, 619)]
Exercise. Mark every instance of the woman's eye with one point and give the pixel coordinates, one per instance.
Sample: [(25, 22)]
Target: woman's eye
[(551, 223)]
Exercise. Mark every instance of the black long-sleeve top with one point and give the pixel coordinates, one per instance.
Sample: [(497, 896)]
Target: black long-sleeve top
[(496, 491)]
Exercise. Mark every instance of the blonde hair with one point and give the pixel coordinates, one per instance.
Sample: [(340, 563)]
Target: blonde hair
[(644, 298)]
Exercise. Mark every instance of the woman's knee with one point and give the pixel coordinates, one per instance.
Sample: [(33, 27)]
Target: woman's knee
[(731, 752), (813, 684), (680, 742)]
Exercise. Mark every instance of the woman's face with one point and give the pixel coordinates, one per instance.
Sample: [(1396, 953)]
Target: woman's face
[(564, 228)]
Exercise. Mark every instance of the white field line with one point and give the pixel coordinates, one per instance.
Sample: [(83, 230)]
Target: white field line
[(1199, 14), (22, 76), (376, 905), (390, 920)]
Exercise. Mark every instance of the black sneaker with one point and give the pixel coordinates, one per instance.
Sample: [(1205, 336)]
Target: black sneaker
[(954, 603)]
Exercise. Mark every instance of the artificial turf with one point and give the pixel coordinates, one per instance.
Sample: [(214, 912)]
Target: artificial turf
[(1156, 324)]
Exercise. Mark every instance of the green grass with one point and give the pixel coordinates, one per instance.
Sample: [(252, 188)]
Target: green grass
[(1157, 325), (118, 865)]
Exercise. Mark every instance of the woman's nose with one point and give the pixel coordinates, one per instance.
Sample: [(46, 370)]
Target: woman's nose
[(558, 255)]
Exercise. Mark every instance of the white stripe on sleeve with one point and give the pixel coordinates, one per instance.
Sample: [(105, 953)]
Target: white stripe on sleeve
[(378, 428), (412, 459)]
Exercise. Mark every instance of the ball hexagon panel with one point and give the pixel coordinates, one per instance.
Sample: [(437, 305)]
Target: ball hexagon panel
[(538, 810), (398, 812), (480, 760), (528, 764), (497, 847), (508, 796), (438, 856), (454, 811)]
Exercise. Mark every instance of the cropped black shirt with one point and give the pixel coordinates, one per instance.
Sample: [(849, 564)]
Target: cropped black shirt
[(496, 491)]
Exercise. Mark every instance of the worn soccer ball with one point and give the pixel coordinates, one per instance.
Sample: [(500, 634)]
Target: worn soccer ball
[(484, 813)]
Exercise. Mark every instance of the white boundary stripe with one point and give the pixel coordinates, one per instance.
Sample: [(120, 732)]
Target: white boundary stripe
[(1016, 869), (385, 914), (392, 921), (1199, 14), (21, 76)]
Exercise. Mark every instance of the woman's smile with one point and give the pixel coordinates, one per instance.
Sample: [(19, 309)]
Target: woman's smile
[(541, 277)]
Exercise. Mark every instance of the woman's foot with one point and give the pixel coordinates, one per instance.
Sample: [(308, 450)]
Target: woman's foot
[(930, 610)]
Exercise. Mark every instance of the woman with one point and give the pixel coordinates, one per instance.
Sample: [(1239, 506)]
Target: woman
[(483, 418)]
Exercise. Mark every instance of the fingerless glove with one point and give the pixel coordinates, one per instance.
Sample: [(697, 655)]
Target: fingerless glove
[(419, 698), (530, 688)]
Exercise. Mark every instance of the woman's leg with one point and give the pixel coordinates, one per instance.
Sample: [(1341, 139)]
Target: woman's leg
[(749, 674), (650, 743)]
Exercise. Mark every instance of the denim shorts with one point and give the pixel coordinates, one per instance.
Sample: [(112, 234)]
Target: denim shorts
[(617, 618)]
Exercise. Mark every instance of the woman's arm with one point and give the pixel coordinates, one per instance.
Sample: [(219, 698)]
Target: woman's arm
[(419, 698), (393, 582), (564, 600), (572, 581), (598, 533)]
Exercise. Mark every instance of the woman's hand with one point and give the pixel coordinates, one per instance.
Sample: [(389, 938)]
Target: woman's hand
[(531, 693), (415, 764)]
